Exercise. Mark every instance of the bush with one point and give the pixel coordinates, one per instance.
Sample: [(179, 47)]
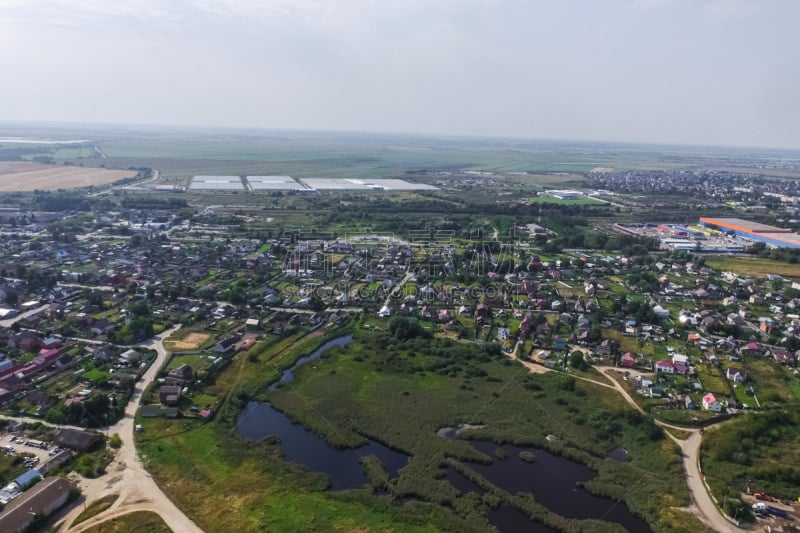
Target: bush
[(115, 441)]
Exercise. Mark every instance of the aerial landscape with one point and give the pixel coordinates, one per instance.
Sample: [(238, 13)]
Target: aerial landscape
[(272, 291)]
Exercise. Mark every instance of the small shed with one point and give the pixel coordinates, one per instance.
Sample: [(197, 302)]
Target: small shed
[(29, 477)]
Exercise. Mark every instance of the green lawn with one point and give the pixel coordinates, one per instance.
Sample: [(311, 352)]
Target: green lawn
[(712, 378)]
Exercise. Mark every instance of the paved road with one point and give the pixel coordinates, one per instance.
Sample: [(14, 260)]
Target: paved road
[(126, 475), (10, 321)]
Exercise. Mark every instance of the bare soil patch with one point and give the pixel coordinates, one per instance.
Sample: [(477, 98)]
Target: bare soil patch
[(190, 342), (25, 176), (12, 167)]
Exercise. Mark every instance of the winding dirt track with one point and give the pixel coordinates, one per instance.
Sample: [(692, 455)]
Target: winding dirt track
[(703, 506)]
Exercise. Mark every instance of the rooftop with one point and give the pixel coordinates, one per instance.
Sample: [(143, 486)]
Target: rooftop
[(742, 224)]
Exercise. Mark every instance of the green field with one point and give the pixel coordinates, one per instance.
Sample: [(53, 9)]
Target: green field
[(755, 450), (759, 266)]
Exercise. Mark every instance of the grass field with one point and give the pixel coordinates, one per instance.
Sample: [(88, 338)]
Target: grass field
[(755, 450), (135, 522), (96, 507), (23, 176), (759, 266)]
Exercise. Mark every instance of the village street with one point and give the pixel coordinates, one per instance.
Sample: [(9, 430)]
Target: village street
[(126, 475)]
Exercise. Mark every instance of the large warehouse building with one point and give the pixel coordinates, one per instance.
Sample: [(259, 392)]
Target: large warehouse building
[(756, 232)]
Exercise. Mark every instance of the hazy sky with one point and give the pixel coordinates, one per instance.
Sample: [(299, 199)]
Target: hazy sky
[(679, 71)]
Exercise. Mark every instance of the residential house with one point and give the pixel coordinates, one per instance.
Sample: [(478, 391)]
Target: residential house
[(51, 343), (131, 357), (628, 360), (710, 403), (782, 356), (226, 345), (76, 439), (752, 348), (661, 312), (169, 394), (735, 374), (605, 348), (665, 367), (678, 358), (101, 354), (25, 340), (482, 312), (180, 375)]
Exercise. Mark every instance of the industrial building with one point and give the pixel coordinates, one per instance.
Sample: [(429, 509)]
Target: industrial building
[(273, 183), (755, 231), (350, 184), (216, 183), (564, 194), (41, 500)]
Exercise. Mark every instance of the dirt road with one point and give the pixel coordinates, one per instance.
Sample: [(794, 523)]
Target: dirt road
[(703, 506), (126, 475)]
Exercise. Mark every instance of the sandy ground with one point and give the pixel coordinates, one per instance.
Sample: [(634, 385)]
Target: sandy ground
[(23, 176), (190, 342)]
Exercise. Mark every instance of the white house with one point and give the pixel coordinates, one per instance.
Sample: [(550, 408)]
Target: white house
[(661, 312), (680, 359), (736, 374), (710, 403), (665, 366)]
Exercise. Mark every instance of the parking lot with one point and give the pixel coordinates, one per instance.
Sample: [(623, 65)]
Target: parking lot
[(20, 447)]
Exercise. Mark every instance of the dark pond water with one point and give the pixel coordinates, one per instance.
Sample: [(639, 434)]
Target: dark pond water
[(300, 445), (551, 479), (460, 482), (509, 520), (288, 374)]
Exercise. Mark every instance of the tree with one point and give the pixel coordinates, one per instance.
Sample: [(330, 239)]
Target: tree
[(576, 360)]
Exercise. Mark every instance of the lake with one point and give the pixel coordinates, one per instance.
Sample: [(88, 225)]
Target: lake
[(288, 374), (552, 481), (299, 445)]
